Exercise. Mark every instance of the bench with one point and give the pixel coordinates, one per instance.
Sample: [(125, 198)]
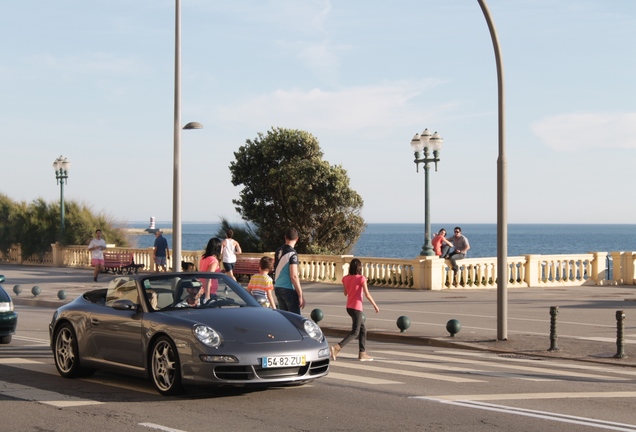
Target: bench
[(246, 267), (120, 262)]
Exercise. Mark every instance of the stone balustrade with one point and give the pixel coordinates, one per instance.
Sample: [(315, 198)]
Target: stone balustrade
[(429, 273)]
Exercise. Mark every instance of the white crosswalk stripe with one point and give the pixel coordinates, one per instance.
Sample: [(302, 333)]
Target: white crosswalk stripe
[(383, 369), (544, 362), (456, 365), (18, 391), (520, 370)]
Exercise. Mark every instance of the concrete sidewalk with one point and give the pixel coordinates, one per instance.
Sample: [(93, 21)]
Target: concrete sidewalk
[(586, 323)]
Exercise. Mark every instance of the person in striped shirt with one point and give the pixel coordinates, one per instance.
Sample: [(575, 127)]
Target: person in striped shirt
[(261, 284)]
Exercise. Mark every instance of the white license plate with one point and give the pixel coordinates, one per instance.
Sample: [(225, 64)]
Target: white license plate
[(283, 361)]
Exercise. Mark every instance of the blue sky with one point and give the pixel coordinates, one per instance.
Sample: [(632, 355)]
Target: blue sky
[(94, 81)]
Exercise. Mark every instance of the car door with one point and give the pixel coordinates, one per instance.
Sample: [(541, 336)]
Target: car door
[(116, 334)]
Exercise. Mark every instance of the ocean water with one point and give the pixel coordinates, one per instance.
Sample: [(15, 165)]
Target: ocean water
[(405, 240)]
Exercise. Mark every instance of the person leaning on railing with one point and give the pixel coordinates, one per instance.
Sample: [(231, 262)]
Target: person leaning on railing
[(460, 249)]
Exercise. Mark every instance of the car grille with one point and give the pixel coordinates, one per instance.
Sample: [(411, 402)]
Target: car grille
[(248, 373), (319, 367), (234, 373)]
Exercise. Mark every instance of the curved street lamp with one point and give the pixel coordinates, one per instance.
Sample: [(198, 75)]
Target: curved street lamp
[(176, 177), (423, 145), (61, 166)]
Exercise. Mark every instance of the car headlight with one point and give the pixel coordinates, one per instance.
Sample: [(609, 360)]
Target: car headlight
[(313, 330), (6, 306), (207, 336)]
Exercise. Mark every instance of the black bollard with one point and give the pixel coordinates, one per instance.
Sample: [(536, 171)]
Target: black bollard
[(620, 330), (554, 311)]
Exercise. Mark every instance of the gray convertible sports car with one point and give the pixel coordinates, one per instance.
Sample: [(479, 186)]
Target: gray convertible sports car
[(185, 328)]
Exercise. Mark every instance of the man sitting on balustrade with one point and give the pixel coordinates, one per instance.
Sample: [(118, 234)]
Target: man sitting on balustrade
[(460, 248)]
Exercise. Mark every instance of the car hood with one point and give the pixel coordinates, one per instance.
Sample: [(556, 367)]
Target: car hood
[(248, 325)]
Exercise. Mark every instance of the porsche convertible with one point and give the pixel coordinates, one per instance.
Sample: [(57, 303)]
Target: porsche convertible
[(180, 329)]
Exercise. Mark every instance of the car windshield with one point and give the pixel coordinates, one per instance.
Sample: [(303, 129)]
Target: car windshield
[(185, 291)]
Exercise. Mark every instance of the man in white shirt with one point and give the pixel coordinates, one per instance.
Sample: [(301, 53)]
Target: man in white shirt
[(97, 246)]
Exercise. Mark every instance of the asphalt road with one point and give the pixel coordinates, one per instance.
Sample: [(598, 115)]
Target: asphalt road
[(407, 387)]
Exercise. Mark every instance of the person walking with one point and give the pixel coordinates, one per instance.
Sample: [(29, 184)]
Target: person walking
[(229, 250), (97, 246), (161, 252), (355, 286), (287, 287), (209, 262), (261, 284)]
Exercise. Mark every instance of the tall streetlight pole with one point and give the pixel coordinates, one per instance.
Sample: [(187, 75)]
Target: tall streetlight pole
[(61, 166), (502, 190), (176, 183), (422, 146)]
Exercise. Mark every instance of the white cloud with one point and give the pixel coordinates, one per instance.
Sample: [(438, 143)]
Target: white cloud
[(580, 131), (350, 109)]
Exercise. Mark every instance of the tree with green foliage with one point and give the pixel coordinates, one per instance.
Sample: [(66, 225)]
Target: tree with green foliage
[(286, 183), (35, 226)]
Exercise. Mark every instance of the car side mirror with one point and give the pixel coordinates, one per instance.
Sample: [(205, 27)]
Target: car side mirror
[(124, 304)]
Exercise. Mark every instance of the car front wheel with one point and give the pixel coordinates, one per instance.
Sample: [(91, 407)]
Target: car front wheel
[(66, 353), (5, 339), (165, 367)]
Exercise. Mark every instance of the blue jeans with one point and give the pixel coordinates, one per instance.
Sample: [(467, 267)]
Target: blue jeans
[(357, 329), (454, 257), (287, 300)]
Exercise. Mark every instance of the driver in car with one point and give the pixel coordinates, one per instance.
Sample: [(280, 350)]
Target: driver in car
[(193, 299)]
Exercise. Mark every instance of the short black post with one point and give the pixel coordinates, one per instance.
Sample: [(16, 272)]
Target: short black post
[(554, 311), (620, 337)]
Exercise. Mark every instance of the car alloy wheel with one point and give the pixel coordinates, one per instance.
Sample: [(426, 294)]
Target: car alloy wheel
[(165, 367), (66, 353)]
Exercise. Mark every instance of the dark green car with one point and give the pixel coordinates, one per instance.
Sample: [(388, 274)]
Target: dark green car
[(8, 318)]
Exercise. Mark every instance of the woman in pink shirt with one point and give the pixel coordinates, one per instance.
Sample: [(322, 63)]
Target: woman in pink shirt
[(210, 263), (355, 285)]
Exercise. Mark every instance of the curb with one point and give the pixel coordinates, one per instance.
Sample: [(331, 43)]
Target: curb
[(35, 302)]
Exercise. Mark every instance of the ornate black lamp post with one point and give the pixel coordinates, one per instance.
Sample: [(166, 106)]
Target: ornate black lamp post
[(423, 145), (61, 167)]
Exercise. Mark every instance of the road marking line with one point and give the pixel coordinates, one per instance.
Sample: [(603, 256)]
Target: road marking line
[(528, 396), (29, 339), (448, 368), (51, 370), (18, 391), (104, 381), (360, 379), (563, 418), (542, 371), (404, 373), (163, 428), (617, 369), (17, 361)]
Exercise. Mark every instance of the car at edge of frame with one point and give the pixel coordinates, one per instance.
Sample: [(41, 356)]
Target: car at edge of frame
[(139, 326), (8, 317)]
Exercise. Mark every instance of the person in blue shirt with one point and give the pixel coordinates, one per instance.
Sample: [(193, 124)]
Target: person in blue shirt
[(161, 252), (287, 287)]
